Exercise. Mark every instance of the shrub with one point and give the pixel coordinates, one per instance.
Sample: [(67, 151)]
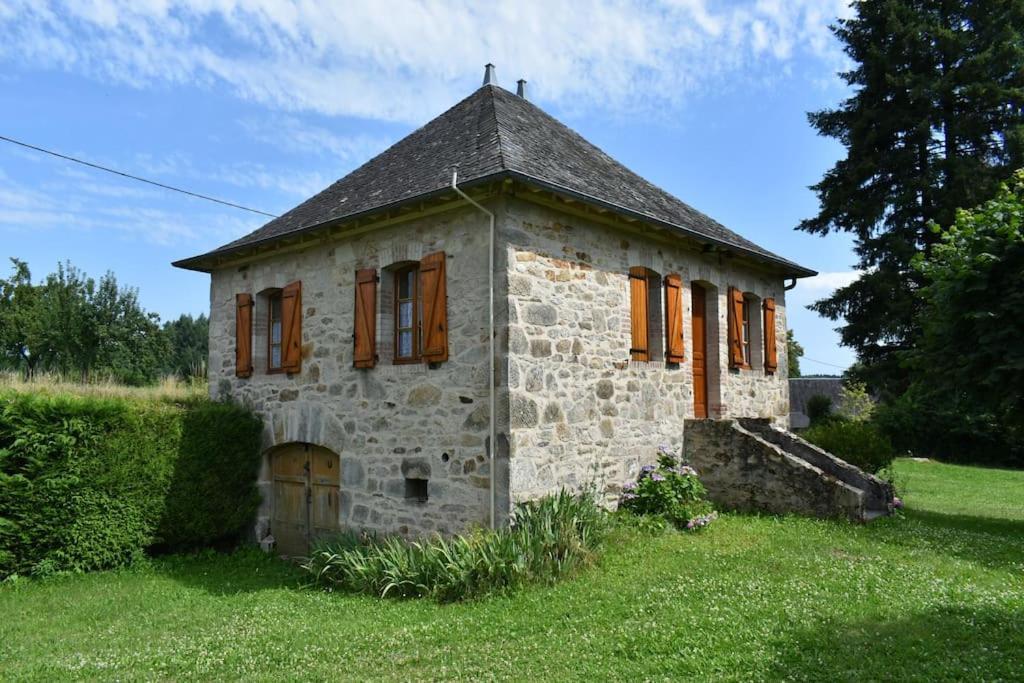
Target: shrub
[(547, 539), (819, 408), (88, 482), (859, 443), (855, 403), (943, 426), (670, 490)]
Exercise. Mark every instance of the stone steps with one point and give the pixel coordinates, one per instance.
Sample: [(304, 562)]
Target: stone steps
[(749, 464)]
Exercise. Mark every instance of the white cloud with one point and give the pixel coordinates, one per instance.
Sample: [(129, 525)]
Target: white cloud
[(292, 135), (68, 203), (826, 283), (407, 60)]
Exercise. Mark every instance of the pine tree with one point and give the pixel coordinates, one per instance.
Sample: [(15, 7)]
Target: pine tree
[(935, 122)]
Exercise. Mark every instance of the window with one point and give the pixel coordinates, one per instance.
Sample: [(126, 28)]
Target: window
[(416, 490), (407, 343), (276, 333), (645, 315), (745, 332)]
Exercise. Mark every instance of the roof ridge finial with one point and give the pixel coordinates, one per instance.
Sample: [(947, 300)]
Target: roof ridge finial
[(489, 77)]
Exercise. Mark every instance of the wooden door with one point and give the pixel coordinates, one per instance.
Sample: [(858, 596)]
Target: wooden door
[(700, 350), (324, 492), (305, 489)]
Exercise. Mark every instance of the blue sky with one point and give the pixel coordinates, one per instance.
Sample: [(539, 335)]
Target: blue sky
[(264, 103)]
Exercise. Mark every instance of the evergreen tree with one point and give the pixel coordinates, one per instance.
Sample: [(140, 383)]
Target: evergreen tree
[(935, 122)]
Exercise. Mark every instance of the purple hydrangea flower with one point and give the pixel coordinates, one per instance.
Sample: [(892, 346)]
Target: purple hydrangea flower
[(702, 520), (897, 502), (628, 496), (657, 477), (664, 448), (629, 486), (687, 471)]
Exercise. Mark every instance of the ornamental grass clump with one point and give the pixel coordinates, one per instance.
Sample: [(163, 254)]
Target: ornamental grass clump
[(547, 539), (670, 490)]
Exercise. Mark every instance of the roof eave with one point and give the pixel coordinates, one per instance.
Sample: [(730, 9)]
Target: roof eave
[(204, 263), (789, 268)]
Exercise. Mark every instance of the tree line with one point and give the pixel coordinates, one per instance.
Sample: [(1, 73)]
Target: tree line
[(86, 329), (934, 132)]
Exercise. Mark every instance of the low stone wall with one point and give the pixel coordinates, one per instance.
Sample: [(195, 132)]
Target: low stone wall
[(879, 493), (742, 471)]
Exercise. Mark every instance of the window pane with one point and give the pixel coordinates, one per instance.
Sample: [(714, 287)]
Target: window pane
[(275, 332), (405, 285), (405, 314), (405, 344), (275, 307), (275, 356)]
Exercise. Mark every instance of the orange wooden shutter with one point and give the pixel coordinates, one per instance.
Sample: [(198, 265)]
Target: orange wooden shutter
[(673, 318), (243, 335), (771, 354), (735, 306), (291, 327), (638, 313), (434, 295), (365, 335)]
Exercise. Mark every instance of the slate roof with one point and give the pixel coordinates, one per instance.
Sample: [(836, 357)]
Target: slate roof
[(491, 134)]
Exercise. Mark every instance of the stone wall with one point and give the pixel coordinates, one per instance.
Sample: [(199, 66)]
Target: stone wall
[(581, 411), (742, 471), (384, 421), (878, 494), (801, 389)]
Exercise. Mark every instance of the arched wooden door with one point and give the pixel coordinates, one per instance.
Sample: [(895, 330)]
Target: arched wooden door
[(305, 504)]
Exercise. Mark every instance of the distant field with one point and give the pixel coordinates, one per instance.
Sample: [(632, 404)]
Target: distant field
[(935, 595), (169, 388)]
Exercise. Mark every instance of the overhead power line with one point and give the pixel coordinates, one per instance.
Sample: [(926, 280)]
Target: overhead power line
[(135, 177), (821, 362)]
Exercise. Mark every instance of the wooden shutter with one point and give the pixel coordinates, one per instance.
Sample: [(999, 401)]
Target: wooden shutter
[(434, 297), (673, 318), (771, 353), (291, 327), (735, 306), (638, 313), (364, 337), (243, 335)]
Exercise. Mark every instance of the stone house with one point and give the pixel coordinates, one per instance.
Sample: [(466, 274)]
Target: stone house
[(488, 311)]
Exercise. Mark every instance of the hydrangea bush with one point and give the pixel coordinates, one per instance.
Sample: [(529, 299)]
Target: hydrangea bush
[(670, 490)]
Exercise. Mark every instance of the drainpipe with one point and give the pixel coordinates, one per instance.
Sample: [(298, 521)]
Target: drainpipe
[(490, 341), (791, 285)]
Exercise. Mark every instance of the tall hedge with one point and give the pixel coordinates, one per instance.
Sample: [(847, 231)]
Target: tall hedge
[(90, 483)]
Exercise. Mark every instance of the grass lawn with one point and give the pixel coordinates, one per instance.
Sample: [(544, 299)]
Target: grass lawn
[(935, 595)]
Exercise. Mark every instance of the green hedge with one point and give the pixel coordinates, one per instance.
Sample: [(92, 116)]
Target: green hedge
[(857, 442), (88, 483)]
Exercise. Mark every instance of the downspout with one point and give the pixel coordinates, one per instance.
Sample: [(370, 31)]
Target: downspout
[(490, 342), (791, 285)]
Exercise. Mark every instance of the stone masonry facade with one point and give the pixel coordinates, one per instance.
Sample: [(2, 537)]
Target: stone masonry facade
[(573, 410), (384, 422), (582, 413)]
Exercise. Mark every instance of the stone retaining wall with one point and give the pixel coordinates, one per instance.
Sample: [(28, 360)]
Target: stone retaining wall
[(742, 471), (878, 493)]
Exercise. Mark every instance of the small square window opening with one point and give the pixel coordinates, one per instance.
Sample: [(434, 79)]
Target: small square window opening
[(416, 490)]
